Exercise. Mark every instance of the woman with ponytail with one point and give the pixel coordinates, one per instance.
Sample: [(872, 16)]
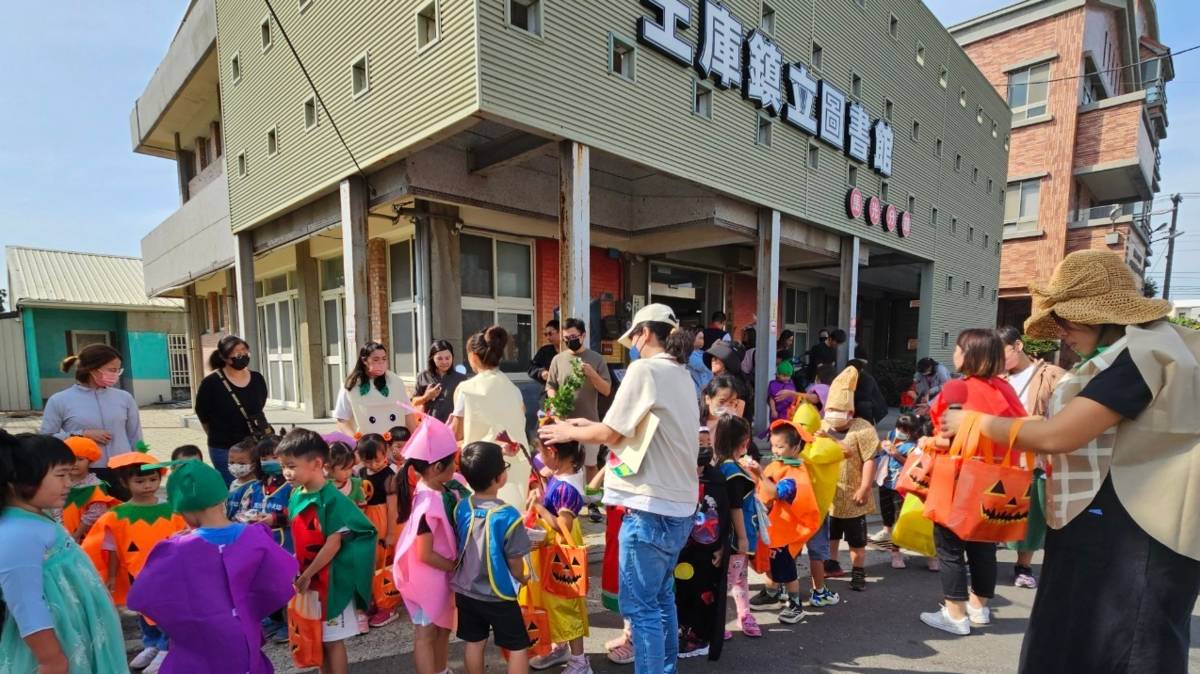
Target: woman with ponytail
[(374, 398), (57, 617), (95, 407), (489, 405)]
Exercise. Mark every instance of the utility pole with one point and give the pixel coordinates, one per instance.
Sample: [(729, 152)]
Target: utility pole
[(1175, 199)]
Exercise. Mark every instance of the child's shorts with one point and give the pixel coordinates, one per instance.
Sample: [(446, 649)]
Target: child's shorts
[(818, 545), (342, 626), (853, 529), (783, 566), (502, 618)]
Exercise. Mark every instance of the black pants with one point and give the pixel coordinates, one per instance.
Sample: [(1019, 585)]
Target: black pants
[(1110, 598), (890, 501), (980, 559)]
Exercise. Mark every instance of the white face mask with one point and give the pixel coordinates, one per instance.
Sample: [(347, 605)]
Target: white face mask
[(240, 470)]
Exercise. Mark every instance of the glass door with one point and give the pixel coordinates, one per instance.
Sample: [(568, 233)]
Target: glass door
[(333, 327), (795, 317), (277, 351)]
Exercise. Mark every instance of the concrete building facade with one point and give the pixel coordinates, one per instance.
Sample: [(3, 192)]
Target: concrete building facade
[(1086, 81), (437, 166)]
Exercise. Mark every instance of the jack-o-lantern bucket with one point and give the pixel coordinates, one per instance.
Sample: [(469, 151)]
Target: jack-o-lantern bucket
[(305, 629), (384, 591), (564, 570)]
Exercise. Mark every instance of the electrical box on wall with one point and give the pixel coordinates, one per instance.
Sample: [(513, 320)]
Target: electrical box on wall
[(1112, 238)]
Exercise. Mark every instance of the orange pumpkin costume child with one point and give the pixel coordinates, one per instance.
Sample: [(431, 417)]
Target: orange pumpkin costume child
[(88, 498), (131, 531)]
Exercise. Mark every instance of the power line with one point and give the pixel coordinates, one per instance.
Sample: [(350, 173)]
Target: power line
[(317, 94), (1118, 68)]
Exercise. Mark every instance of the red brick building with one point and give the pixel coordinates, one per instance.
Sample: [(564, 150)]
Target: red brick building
[(1086, 83)]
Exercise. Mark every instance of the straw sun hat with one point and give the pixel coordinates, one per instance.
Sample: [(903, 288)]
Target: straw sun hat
[(1092, 287)]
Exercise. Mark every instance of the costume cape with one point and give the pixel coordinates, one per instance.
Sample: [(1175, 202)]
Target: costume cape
[(214, 618), (135, 530), (80, 499), (792, 523), (423, 587), (348, 577), (700, 585)]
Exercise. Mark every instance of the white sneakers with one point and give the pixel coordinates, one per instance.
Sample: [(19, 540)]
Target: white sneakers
[(979, 616), (152, 668), (941, 620), (557, 656), (142, 660)]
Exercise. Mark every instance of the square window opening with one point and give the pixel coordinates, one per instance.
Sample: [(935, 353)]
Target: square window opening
[(360, 76), (971, 233), (883, 191), (949, 283), (979, 115), (916, 130), (272, 142), (945, 340), (954, 225), (855, 86), (428, 27), (526, 15), (975, 175), (920, 54), (938, 147), (852, 176), (310, 112), (622, 57), (962, 98), (893, 25), (933, 216), (814, 157), (943, 77), (912, 203), (264, 30), (241, 164), (818, 56), (763, 137), (702, 99), (958, 162), (235, 68), (768, 19), (887, 109)]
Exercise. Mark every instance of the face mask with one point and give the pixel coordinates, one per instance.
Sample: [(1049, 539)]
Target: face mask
[(574, 344), (272, 467), (239, 470), (106, 379), (901, 436), (240, 362)]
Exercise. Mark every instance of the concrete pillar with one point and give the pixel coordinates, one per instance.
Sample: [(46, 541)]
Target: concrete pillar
[(354, 259), (243, 266), (446, 284), (379, 290), (574, 230), (848, 297), (423, 279), (191, 315), (230, 295), (212, 315), (767, 312), (310, 352), (925, 337)]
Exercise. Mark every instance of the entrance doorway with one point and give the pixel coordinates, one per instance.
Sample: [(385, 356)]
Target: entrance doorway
[(333, 322), (277, 339), (693, 294)]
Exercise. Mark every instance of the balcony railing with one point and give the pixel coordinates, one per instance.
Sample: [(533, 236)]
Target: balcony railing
[(1134, 212), (1156, 93)]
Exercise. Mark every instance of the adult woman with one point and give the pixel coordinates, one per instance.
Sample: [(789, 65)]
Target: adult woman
[(660, 496), (489, 404), (1034, 381), (94, 407), (438, 382), (979, 356), (1122, 568), (374, 398), (229, 400), (929, 379), (57, 615)]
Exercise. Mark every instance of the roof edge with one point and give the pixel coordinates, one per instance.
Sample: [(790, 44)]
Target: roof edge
[(1009, 17)]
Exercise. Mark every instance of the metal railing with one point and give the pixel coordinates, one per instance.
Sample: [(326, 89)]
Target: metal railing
[(1156, 92), (1136, 211)]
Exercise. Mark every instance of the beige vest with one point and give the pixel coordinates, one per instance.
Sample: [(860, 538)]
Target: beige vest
[(492, 404), (1154, 460)]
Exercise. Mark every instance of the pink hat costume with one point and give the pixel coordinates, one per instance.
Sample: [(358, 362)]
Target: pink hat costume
[(426, 590)]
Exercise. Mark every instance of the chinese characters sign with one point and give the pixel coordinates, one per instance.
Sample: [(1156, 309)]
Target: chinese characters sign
[(754, 64)]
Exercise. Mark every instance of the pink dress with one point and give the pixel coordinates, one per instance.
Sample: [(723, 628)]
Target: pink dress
[(426, 590)]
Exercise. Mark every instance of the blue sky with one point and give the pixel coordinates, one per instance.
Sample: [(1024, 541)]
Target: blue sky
[(69, 178)]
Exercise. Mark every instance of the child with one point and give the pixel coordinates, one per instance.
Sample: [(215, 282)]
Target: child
[(852, 502), (901, 441), (125, 546), (236, 576), (782, 391), (396, 439), (376, 473), (794, 516), (730, 442), (702, 570), (340, 471), (187, 453), (559, 510), (335, 544), (241, 467), (54, 603), (425, 553), (265, 501), (492, 545), (818, 391), (89, 498)]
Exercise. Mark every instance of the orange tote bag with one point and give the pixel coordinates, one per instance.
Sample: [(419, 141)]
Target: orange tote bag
[(991, 500)]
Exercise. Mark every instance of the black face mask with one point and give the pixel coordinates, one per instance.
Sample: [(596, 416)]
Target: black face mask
[(574, 344), (239, 362)]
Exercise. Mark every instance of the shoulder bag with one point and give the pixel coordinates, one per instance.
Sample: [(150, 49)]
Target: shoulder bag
[(259, 427)]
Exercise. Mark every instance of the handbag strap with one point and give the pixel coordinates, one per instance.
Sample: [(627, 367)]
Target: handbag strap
[(236, 400), (1013, 431), (966, 440)]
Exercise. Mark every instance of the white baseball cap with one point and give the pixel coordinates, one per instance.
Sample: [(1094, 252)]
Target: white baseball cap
[(657, 313)]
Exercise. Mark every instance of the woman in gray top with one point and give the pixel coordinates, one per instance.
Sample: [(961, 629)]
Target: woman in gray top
[(94, 407)]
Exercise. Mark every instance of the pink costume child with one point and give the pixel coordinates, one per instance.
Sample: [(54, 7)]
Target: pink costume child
[(426, 589)]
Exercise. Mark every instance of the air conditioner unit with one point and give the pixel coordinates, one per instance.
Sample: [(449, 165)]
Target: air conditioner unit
[(1112, 238)]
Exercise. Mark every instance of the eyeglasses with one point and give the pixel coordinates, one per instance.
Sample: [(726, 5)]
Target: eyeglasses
[(548, 333), (119, 371)]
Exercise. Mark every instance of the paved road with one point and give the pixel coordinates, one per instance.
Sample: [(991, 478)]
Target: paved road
[(876, 632)]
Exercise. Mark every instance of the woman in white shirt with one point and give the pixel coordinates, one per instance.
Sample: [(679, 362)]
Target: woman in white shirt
[(374, 398)]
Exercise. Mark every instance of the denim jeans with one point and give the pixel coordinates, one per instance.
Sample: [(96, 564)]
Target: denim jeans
[(152, 636), (220, 460), (650, 546)]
